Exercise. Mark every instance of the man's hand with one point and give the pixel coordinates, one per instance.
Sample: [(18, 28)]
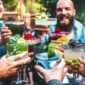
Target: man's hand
[(10, 65), (81, 67), (6, 34), (56, 73)]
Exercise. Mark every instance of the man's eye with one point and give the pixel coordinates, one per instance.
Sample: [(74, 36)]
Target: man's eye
[(67, 8), (59, 10)]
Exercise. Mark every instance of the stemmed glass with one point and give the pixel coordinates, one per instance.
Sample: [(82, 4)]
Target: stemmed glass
[(16, 46), (13, 48)]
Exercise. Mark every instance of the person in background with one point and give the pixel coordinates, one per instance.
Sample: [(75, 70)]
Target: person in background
[(5, 33), (66, 22), (65, 14), (55, 75)]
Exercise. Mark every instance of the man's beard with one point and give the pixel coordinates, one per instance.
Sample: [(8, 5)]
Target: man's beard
[(66, 27)]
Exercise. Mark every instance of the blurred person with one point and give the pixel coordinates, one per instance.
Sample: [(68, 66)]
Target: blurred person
[(55, 75), (6, 33), (65, 14), (66, 22)]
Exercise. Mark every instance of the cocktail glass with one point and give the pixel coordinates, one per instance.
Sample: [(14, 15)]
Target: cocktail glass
[(45, 61), (71, 56), (17, 27), (14, 48)]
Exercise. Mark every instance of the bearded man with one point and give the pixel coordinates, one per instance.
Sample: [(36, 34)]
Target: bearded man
[(65, 13)]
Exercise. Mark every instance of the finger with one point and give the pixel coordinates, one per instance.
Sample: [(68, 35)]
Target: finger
[(65, 69), (6, 36), (57, 62), (30, 54), (40, 69), (5, 29), (6, 33), (81, 61), (61, 65), (23, 61), (19, 56)]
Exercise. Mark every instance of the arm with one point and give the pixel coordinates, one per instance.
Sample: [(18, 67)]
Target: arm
[(5, 35)]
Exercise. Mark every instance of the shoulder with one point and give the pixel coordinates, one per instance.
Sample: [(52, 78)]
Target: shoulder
[(78, 24)]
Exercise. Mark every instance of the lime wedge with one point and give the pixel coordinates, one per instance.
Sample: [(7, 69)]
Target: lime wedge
[(21, 40)]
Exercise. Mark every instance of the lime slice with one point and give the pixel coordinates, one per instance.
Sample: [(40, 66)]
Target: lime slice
[(21, 40)]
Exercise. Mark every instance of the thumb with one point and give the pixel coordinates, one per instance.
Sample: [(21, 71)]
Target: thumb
[(65, 69), (62, 64), (81, 61), (40, 69)]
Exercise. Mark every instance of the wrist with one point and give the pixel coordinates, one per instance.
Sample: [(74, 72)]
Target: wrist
[(54, 82), (47, 79)]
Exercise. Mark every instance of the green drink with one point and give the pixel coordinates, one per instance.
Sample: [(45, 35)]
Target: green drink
[(16, 45), (71, 55)]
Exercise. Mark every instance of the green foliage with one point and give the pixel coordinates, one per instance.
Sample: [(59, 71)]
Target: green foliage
[(9, 4), (35, 7), (82, 18), (48, 6)]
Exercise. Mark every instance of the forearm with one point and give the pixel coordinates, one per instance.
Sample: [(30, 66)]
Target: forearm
[(54, 82)]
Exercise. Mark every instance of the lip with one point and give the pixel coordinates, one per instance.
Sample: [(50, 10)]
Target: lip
[(63, 18)]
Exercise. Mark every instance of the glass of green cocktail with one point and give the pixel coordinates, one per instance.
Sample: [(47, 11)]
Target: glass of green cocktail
[(16, 45), (71, 56)]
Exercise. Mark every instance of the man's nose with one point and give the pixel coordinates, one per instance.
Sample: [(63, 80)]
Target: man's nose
[(63, 11)]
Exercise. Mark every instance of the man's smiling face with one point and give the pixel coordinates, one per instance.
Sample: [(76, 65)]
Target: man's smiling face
[(65, 12)]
